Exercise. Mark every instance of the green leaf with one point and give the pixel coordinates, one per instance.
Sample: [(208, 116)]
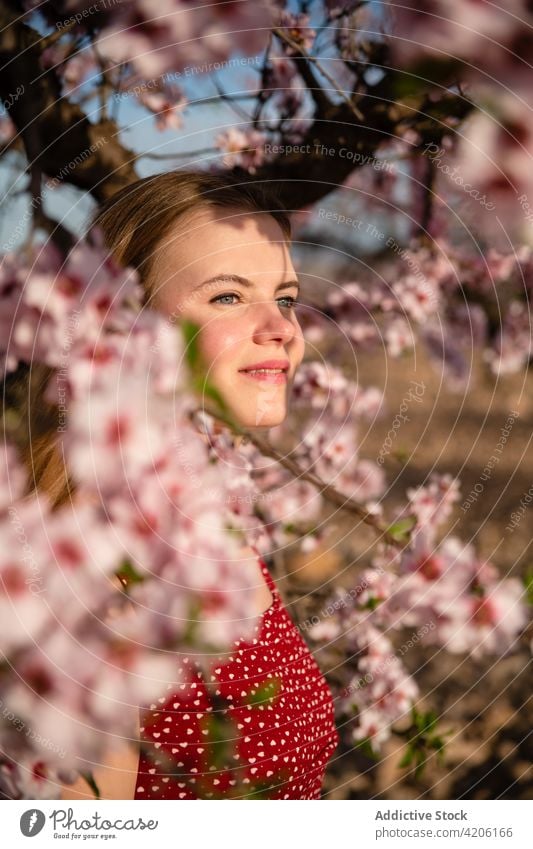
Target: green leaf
[(221, 739), (190, 332), (422, 740), (189, 634), (528, 584), (201, 385), (401, 454), (89, 778), (431, 721), (269, 689), (420, 765), (261, 789), (372, 603), (365, 744), (401, 529), (438, 744), (407, 758), (129, 573), (422, 74), (197, 365)]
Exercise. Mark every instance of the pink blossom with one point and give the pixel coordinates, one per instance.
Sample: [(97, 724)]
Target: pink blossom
[(168, 109), (398, 337), (12, 476), (176, 34), (24, 573), (432, 504), (417, 297), (513, 347), (8, 130), (478, 32), (293, 502), (50, 307), (111, 440), (469, 607), (297, 28), (496, 146), (285, 95), (382, 691), (322, 386), (242, 147)]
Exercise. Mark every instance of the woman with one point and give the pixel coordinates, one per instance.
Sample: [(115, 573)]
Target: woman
[(216, 252)]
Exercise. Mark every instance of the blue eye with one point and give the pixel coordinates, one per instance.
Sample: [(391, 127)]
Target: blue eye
[(292, 301), (226, 295), (217, 299)]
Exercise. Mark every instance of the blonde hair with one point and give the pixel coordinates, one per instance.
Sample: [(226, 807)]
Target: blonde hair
[(133, 222), (138, 217)]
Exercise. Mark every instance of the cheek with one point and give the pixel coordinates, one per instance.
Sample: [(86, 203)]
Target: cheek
[(220, 343), (299, 347)]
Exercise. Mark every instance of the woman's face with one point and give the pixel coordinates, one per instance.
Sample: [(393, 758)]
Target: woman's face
[(230, 272)]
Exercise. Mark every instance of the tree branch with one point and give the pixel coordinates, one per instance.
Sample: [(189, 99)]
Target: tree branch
[(63, 132), (328, 492), (316, 91), (57, 135)]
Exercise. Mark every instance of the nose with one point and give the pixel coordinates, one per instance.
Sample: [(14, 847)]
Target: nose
[(270, 324)]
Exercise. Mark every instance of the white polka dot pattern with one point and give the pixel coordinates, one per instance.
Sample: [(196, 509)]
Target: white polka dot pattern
[(280, 728)]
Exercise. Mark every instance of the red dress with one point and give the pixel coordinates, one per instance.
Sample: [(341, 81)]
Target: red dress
[(267, 732)]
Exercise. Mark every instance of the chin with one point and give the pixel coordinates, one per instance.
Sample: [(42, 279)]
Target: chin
[(254, 420)]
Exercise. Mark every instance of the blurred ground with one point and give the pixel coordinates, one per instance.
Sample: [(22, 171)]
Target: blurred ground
[(486, 705)]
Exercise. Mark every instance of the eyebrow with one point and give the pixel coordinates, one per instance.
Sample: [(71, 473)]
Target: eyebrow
[(236, 278)]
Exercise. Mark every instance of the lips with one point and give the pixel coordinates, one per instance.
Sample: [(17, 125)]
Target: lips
[(271, 371), (268, 365)]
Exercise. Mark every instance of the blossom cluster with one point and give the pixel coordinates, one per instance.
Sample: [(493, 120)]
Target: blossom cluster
[(83, 653), (445, 296), (441, 593), (329, 408), (486, 45)]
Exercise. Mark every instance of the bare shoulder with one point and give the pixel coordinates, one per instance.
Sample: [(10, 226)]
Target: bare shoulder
[(115, 777)]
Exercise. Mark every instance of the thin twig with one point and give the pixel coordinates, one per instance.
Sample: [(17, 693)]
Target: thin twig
[(261, 97), (303, 52), (228, 98), (51, 39), (328, 492), (186, 153), (106, 86), (201, 101)]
